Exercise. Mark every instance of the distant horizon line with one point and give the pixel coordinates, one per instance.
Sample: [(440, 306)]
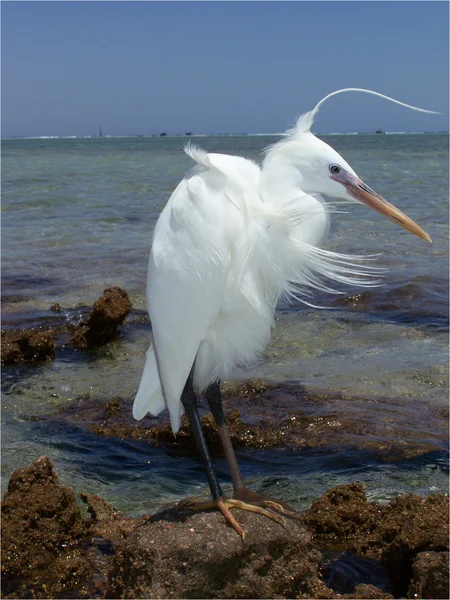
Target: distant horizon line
[(192, 135)]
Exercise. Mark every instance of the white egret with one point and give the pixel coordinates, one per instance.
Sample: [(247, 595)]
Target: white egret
[(231, 240)]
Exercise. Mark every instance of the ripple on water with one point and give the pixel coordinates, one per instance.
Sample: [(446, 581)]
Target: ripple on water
[(386, 349)]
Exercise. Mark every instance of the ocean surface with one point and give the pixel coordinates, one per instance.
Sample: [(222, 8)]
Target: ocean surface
[(78, 216)]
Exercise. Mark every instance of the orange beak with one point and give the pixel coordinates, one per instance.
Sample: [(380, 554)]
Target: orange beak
[(358, 190)]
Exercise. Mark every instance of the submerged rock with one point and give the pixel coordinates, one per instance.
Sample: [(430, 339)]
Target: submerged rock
[(287, 416), (107, 314), (27, 345), (98, 327)]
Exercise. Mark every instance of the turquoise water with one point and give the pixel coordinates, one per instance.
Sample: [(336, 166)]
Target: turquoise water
[(78, 216)]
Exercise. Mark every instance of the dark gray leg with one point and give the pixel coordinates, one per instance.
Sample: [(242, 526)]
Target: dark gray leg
[(189, 400), (219, 501)]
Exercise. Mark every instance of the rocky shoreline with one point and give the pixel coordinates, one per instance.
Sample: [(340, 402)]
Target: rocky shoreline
[(342, 547)]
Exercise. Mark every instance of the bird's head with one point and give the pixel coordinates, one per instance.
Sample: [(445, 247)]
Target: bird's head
[(318, 169), (324, 171)]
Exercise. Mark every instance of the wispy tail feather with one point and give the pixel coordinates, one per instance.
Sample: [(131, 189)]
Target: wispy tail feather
[(149, 398)]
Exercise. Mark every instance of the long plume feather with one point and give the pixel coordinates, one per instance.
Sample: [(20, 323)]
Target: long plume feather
[(306, 121)]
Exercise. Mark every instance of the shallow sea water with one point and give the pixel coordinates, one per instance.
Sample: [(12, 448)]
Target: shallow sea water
[(77, 218)]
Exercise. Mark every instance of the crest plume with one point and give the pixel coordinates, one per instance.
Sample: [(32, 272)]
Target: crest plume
[(306, 120)]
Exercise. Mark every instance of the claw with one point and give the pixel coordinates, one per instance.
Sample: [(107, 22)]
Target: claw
[(224, 505), (186, 504), (258, 499), (291, 514), (275, 506)]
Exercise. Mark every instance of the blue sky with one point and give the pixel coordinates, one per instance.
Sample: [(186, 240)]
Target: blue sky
[(212, 67)]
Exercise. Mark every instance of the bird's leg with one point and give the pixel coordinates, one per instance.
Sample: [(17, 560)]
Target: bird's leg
[(189, 401), (214, 398), (219, 501), (240, 491)]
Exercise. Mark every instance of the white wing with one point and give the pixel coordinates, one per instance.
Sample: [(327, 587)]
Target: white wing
[(187, 277)]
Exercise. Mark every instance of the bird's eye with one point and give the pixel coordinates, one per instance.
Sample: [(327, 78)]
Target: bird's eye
[(334, 169)]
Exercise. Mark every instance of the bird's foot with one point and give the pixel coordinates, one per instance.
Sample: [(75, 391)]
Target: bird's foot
[(258, 499), (224, 504)]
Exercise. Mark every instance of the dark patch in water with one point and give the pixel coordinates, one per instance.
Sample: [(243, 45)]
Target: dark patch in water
[(25, 280), (342, 572), (412, 304), (272, 418)]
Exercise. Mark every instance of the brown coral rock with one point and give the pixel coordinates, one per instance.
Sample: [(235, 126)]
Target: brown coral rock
[(51, 551), (40, 519), (342, 513), (430, 576), (27, 345), (411, 525), (202, 557), (107, 314)]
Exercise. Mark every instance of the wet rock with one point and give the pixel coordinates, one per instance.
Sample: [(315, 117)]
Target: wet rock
[(41, 522), (361, 301), (27, 345), (98, 508), (112, 526), (395, 533), (398, 449), (367, 591), (342, 513), (51, 551), (113, 418), (117, 424), (101, 325), (249, 387), (201, 557), (271, 419), (242, 434), (408, 526), (41, 337), (113, 406), (430, 576)]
